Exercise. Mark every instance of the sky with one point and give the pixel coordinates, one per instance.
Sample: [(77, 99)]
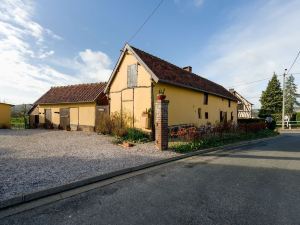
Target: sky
[(60, 42)]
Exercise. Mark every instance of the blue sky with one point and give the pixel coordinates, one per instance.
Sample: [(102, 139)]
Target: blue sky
[(47, 43)]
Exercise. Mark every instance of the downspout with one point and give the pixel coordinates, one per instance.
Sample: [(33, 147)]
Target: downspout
[(133, 107), (152, 112)]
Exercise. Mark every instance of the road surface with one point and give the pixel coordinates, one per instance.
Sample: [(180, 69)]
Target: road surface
[(254, 184)]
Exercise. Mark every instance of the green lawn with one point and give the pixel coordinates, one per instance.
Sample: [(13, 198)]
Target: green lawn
[(18, 122)]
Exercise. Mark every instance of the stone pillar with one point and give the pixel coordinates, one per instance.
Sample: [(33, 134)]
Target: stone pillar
[(161, 124)]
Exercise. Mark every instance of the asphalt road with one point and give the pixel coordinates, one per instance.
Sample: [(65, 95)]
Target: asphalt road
[(256, 184)]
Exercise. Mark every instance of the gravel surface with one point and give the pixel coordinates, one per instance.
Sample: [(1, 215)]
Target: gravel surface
[(32, 160)]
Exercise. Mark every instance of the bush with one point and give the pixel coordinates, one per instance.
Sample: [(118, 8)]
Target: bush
[(252, 120), (298, 117), (272, 125), (119, 126), (104, 124), (215, 141), (277, 117), (135, 135), (113, 125)]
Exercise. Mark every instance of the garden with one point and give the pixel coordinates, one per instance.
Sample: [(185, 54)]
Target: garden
[(190, 138)]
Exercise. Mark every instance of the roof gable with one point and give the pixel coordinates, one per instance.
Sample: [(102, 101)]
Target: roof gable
[(165, 72)]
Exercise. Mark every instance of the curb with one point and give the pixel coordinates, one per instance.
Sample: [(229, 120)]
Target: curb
[(77, 184)]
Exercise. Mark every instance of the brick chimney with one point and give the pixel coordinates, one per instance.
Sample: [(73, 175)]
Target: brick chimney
[(188, 68)]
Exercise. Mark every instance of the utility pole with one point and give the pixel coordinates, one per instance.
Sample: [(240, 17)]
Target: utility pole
[(283, 99)]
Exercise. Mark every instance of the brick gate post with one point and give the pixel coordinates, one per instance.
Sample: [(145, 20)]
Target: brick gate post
[(161, 124)]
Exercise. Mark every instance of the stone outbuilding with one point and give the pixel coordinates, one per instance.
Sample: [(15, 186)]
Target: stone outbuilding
[(73, 107)]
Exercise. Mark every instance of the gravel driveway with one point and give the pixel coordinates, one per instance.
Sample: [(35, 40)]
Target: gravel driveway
[(32, 160)]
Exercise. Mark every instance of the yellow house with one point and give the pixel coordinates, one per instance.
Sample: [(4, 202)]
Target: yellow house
[(5, 115), (137, 78), (73, 107)]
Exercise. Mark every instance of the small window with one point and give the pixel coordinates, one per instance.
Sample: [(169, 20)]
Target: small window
[(199, 113), (229, 103), (206, 115), (205, 99), (240, 106), (231, 116), (132, 75)]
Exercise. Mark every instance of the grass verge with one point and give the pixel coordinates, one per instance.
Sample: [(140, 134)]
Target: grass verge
[(184, 147)]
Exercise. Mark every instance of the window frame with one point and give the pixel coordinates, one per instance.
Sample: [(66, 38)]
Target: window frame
[(205, 99), (199, 113), (132, 78)]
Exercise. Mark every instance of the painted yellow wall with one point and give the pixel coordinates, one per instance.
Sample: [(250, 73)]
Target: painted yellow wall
[(5, 115), (132, 101), (184, 104), (82, 113)]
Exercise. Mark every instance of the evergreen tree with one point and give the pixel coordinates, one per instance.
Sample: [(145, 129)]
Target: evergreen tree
[(290, 95), (271, 98)]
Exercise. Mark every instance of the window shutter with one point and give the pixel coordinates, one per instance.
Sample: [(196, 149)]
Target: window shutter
[(132, 75)]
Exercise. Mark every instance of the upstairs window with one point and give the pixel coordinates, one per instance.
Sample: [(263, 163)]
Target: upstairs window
[(199, 113), (240, 106), (229, 103), (132, 75), (205, 102)]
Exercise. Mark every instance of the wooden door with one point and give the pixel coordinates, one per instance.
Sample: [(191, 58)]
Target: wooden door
[(48, 121), (64, 118)]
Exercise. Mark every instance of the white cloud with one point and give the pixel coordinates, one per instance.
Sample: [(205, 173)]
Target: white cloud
[(260, 41), (88, 65), (24, 73), (94, 65)]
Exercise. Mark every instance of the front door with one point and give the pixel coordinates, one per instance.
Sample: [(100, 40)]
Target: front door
[(64, 118)]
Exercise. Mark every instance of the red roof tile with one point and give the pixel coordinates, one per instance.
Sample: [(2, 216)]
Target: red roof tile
[(172, 74), (74, 94)]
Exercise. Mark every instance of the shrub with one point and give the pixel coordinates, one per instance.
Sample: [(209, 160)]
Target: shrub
[(277, 117), (252, 120), (298, 117), (104, 124), (114, 124), (135, 135), (119, 126)]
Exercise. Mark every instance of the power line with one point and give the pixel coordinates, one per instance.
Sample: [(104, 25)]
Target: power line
[(293, 62), (144, 23), (251, 82)]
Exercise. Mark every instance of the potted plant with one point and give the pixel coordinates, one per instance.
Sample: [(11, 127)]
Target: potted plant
[(161, 94), (146, 113)]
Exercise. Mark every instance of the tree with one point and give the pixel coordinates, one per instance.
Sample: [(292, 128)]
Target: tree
[(290, 95), (271, 98)]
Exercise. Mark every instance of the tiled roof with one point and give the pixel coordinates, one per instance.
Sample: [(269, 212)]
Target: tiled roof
[(172, 74), (74, 94)]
